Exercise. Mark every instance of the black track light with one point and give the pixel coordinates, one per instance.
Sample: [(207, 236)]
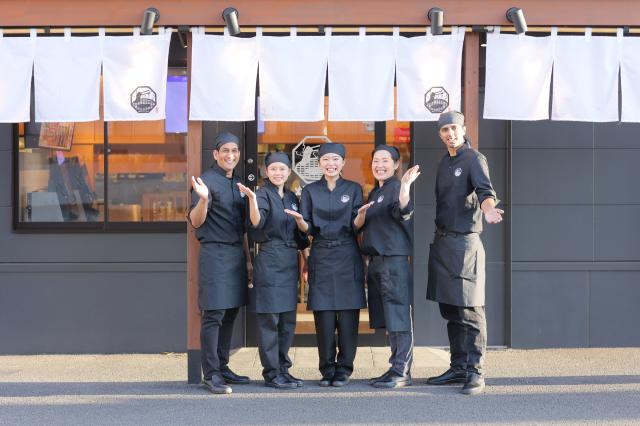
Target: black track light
[(436, 16), (516, 17), (150, 17), (230, 16)]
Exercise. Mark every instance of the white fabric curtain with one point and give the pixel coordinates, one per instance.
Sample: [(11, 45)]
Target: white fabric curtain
[(67, 78), (361, 71), (585, 78), (135, 76), (629, 78), (16, 59), (518, 76), (428, 75), (223, 77), (292, 77)]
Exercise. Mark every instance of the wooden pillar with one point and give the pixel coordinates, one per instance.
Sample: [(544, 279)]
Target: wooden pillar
[(194, 165), (472, 86)]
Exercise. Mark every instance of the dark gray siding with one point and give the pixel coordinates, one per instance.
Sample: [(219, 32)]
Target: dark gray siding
[(576, 257), (87, 293)]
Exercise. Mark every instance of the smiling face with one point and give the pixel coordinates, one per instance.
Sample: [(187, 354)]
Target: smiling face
[(383, 166), (452, 135), (278, 173), (331, 165), (227, 157)]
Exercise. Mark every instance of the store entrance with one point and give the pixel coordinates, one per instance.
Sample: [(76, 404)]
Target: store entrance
[(300, 140)]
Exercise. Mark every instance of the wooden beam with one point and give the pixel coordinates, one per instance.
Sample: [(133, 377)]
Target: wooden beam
[(472, 86), (316, 12), (194, 165)]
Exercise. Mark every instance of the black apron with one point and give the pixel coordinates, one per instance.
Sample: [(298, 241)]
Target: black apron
[(223, 276), (275, 278), (336, 275), (457, 270), (390, 292)]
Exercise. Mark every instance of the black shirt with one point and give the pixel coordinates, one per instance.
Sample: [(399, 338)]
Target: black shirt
[(225, 221), (275, 224), (330, 214), (387, 228), (462, 184)]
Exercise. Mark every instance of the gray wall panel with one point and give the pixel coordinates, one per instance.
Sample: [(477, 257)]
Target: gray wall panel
[(552, 233), (425, 185), (497, 160), (67, 247), (5, 181), (551, 134), (93, 312), (616, 176), (495, 304), (616, 135), (493, 134), (426, 135), (617, 229), (559, 176), (550, 309), (5, 136), (614, 309)]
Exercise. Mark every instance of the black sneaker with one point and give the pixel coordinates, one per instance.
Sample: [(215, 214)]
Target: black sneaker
[(298, 382), (394, 380), (325, 381), (216, 385), (381, 377), (233, 378), (280, 382), (474, 385), (452, 375), (340, 380)]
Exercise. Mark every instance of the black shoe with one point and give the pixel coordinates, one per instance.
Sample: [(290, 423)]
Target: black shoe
[(231, 377), (340, 380), (280, 382), (474, 385), (394, 380), (381, 377), (293, 379), (216, 384), (326, 381), (452, 375)]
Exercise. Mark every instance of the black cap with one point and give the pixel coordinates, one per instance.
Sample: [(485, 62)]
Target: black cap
[(450, 117), (226, 137), (395, 154), (331, 148), (277, 157)]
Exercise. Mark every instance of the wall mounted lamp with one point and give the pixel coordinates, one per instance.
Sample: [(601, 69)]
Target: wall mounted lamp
[(516, 17), (150, 17), (436, 16), (230, 16)]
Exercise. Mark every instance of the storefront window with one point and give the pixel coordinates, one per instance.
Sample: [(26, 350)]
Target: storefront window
[(124, 172)]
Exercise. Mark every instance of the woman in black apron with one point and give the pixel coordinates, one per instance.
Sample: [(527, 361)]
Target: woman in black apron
[(388, 244), (330, 212), (274, 295)]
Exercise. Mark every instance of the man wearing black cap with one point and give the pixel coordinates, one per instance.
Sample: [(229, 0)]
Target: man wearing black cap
[(456, 258), (218, 213)]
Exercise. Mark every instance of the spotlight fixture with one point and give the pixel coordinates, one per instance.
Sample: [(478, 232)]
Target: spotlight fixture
[(230, 16), (516, 17), (436, 16), (150, 17)]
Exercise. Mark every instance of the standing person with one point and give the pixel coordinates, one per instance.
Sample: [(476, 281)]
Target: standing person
[(388, 243), (218, 212), (456, 258), (275, 277), (331, 211)]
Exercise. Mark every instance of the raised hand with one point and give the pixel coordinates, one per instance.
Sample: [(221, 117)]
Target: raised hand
[(200, 188), (410, 176), (294, 214), (494, 215), (363, 210), (246, 191)]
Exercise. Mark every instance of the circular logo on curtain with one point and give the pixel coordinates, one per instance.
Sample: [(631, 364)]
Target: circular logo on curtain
[(143, 99), (436, 100)]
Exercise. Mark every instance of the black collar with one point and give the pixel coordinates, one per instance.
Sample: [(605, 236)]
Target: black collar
[(338, 182), (461, 149), (270, 186), (219, 170), (386, 181)]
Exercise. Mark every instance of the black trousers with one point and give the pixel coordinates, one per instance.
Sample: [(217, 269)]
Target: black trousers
[(467, 330), (346, 323), (401, 343), (215, 340), (275, 336)]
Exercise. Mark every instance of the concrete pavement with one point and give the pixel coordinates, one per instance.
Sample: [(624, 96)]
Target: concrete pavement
[(571, 386)]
